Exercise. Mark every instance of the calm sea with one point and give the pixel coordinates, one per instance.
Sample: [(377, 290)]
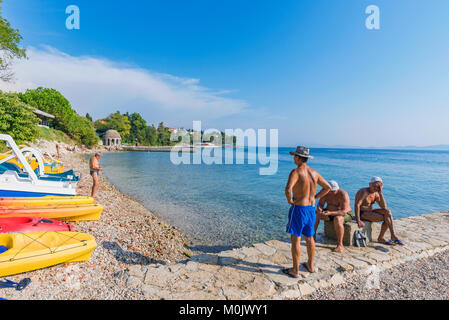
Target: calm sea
[(220, 206)]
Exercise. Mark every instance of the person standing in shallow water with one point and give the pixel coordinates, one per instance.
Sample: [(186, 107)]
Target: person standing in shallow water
[(300, 192), (94, 171)]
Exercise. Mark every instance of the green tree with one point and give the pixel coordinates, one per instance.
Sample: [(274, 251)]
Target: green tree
[(81, 129), (138, 130), (114, 121), (151, 135), (88, 117), (163, 136), (66, 119), (17, 119), (9, 48), (133, 128), (53, 102)]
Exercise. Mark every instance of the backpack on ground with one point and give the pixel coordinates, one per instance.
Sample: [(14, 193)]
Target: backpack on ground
[(359, 239)]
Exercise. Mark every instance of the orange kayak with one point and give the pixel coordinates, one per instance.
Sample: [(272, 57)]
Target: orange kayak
[(44, 201), (86, 212)]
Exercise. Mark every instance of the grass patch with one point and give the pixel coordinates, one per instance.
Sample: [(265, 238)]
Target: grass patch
[(54, 135)]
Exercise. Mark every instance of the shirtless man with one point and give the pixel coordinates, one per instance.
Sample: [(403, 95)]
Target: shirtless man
[(94, 170), (363, 208), (300, 192), (338, 210)]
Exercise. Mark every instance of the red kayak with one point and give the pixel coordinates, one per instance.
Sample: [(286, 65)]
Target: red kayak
[(32, 224)]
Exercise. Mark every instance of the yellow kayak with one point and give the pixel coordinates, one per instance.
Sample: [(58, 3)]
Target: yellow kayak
[(82, 212), (32, 251), (44, 201)]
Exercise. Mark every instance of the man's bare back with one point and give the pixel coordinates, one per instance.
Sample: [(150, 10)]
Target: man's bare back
[(304, 188), (302, 185)]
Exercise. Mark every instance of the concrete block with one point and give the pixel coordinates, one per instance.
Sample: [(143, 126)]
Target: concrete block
[(370, 229)]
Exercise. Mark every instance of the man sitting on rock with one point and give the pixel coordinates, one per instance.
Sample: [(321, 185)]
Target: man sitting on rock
[(364, 200), (338, 210)]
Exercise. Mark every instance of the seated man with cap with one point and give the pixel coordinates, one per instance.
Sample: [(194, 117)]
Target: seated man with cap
[(363, 208), (338, 210)]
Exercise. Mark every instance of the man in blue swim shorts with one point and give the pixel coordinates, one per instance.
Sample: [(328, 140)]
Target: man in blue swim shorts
[(301, 194)]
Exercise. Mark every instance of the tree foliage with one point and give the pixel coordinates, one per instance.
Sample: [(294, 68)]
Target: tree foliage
[(9, 48), (133, 129), (163, 135), (17, 119), (66, 119), (115, 121)]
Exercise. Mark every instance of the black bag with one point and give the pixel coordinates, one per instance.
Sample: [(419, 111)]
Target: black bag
[(359, 239)]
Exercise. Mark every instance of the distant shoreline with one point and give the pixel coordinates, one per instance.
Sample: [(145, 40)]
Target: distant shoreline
[(406, 148)]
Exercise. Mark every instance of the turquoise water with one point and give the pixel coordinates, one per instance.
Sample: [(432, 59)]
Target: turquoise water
[(220, 206)]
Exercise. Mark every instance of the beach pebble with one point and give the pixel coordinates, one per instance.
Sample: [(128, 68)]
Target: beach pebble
[(128, 236), (424, 279)]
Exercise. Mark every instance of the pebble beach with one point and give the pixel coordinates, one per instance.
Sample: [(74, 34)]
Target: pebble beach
[(423, 279), (130, 236), (127, 234)]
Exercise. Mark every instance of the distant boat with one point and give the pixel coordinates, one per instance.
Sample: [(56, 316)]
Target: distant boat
[(15, 182)]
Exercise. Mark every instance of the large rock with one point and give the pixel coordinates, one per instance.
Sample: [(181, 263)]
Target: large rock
[(370, 230), (159, 277)]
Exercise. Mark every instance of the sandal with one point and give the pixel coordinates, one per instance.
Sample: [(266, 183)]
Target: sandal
[(388, 243), (397, 241)]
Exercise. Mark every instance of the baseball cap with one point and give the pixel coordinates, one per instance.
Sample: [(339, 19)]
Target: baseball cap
[(334, 185), (376, 179)]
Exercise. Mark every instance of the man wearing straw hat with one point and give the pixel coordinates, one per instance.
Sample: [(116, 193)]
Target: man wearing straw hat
[(301, 194)]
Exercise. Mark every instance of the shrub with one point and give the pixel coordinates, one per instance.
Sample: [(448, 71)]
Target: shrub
[(66, 119), (17, 119)]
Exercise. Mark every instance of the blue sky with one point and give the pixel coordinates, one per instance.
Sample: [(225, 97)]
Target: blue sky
[(308, 68)]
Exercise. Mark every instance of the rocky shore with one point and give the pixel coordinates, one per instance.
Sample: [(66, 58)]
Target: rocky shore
[(140, 257), (423, 279), (127, 235)]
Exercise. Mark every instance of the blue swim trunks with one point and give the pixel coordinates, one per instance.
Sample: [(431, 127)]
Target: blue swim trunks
[(301, 221)]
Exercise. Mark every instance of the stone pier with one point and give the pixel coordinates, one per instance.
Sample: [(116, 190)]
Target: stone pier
[(255, 272)]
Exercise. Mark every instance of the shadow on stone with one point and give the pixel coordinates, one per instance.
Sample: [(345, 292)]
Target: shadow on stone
[(128, 257), (211, 249), (380, 248), (234, 262)]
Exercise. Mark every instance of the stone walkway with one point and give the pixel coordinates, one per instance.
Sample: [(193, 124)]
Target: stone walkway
[(255, 272)]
